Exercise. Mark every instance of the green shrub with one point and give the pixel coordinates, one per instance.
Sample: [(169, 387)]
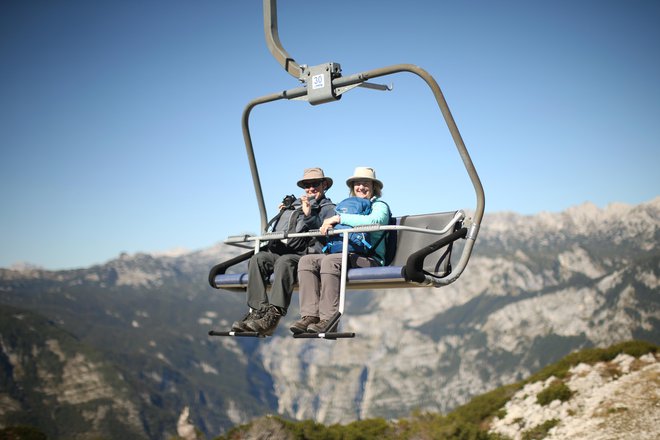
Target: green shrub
[(557, 390), (484, 406), (539, 432), (365, 429), (591, 356)]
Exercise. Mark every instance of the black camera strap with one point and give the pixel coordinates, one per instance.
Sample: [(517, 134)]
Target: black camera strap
[(275, 219)]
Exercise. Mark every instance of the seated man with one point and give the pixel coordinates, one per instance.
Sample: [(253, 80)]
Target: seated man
[(281, 258)]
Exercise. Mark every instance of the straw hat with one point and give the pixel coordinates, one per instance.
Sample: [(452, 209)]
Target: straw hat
[(364, 173), (314, 174)]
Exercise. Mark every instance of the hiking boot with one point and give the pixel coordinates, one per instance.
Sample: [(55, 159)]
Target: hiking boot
[(320, 326), (268, 323), (241, 325), (301, 325)]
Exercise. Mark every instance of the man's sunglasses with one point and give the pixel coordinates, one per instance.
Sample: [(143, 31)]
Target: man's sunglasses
[(312, 183)]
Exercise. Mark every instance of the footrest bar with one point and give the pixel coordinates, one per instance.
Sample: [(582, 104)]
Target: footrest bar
[(242, 334), (328, 335)]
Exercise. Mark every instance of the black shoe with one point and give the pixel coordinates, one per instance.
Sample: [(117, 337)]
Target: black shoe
[(320, 326), (241, 326), (268, 323), (301, 326)]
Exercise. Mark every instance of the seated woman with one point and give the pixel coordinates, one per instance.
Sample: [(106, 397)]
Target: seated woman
[(319, 275)]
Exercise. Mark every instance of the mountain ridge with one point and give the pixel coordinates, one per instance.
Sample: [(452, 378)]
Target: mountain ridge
[(493, 223), (536, 288)]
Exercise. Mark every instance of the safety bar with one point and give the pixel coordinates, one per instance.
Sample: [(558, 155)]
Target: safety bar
[(236, 239)]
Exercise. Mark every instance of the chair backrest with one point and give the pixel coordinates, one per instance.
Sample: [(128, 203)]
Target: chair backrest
[(409, 242)]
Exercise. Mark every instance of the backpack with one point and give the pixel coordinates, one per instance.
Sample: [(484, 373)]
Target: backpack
[(287, 221), (358, 242)]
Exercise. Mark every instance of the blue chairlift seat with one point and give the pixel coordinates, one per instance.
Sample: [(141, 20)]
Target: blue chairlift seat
[(435, 264)]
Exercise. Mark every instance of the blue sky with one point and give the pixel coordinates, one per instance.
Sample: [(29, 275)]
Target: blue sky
[(120, 121)]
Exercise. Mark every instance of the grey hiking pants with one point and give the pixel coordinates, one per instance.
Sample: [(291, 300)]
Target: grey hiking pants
[(261, 266), (319, 277)]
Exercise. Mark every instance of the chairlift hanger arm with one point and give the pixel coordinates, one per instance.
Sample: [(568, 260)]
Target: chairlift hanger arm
[(273, 40), (298, 71), (291, 94)]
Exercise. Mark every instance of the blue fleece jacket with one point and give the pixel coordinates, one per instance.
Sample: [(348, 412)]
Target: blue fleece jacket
[(380, 214)]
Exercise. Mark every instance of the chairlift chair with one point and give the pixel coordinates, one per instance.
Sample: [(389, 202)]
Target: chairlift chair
[(424, 242)]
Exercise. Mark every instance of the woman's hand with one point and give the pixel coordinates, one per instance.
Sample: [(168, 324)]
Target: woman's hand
[(328, 223)]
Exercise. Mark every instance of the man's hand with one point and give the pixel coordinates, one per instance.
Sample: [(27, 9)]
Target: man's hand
[(306, 206)]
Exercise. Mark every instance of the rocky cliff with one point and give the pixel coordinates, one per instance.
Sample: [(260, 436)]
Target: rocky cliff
[(54, 383)]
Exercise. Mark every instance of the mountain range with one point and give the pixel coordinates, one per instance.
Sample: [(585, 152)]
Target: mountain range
[(121, 349)]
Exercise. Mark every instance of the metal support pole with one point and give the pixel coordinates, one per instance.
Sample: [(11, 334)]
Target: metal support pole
[(344, 272)]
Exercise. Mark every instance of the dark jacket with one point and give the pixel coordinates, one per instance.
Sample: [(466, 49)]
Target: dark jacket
[(320, 210)]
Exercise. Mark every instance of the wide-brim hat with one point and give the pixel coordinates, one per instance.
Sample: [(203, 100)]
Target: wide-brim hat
[(314, 174), (364, 173)]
